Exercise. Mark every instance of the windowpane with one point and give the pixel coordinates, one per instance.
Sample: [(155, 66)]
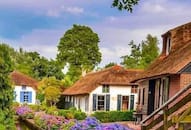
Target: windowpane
[(105, 88), (101, 103)]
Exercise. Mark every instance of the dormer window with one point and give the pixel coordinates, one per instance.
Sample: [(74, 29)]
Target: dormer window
[(24, 87), (105, 88), (168, 45)]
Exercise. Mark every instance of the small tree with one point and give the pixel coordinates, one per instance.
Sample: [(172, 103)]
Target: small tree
[(49, 90), (52, 95)]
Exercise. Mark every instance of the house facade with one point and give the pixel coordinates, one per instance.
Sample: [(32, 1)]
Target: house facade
[(24, 88), (105, 90), (169, 73)]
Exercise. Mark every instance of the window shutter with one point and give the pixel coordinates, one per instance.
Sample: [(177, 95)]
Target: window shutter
[(94, 102), (118, 102), (132, 98), (107, 102), (30, 97), (21, 97)]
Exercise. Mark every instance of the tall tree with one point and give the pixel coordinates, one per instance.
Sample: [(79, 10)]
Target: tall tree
[(150, 50), (125, 4), (79, 48), (142, 54), (6, 93), (132, 60)]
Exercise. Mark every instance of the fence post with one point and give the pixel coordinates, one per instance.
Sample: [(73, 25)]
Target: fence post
[(165, 120)]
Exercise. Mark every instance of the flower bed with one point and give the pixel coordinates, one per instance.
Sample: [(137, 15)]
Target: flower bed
[(25, 112), (52, 122)]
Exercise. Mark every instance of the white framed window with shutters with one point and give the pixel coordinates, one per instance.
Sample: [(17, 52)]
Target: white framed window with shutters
[(101, 102)]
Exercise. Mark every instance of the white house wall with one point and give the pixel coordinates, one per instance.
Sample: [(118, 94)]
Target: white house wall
[(114, 91), (18, 89)]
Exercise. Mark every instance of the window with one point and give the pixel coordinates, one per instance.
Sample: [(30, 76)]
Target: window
[(105, 88), (24, 87), (101, 102), (139, 99), (166, 84), (168, 45), (26, 97), (143, 97), (134, 89)]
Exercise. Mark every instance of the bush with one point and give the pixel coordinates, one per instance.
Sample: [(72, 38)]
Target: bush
[(25, 112), (52, 110), (113, 116), (35, 107), (72, 114)]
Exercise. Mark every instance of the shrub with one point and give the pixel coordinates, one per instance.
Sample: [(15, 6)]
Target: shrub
[(35, 107), (52, 110), (25, 112), (112, 116), (49, 122), (72, 114)]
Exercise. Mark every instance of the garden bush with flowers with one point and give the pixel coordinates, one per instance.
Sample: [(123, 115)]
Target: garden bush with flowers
[(53, 122), (25, 112)]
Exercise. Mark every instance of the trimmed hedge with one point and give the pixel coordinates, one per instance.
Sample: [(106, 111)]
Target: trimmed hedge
[(113, 116)]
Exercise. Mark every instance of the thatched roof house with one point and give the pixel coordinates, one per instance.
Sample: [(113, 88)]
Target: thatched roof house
[(177, 59), (115, 75), (20, 79)]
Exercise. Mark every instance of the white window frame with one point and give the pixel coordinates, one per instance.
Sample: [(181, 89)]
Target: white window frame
[(104, 102)]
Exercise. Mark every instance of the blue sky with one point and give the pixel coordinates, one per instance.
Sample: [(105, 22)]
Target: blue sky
[(37, 25)]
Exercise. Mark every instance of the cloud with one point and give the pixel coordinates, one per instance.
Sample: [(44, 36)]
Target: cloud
[(63, 9), (73, 10)]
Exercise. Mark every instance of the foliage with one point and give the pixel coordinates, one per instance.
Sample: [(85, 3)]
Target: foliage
[(52, 110), (31, 63), (113, 116), (142, 54), (6, 93), (49, 122), (79, 48), (125, 4), (72, 114), (49, 89), (25, 112), (35, 108), (52, 95)]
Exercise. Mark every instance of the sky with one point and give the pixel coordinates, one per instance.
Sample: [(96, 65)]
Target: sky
[(38, 25)]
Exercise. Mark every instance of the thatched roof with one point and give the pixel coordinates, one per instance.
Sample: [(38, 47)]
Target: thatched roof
[(115, 75), (177, 59), (20, 79)]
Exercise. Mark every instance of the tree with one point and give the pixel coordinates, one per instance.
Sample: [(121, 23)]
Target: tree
[(132, 60), (125, 4), (142, 54), (31, 63), (47, 87), (150, 50), (6, 93), (79, 48), (52, 95)]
